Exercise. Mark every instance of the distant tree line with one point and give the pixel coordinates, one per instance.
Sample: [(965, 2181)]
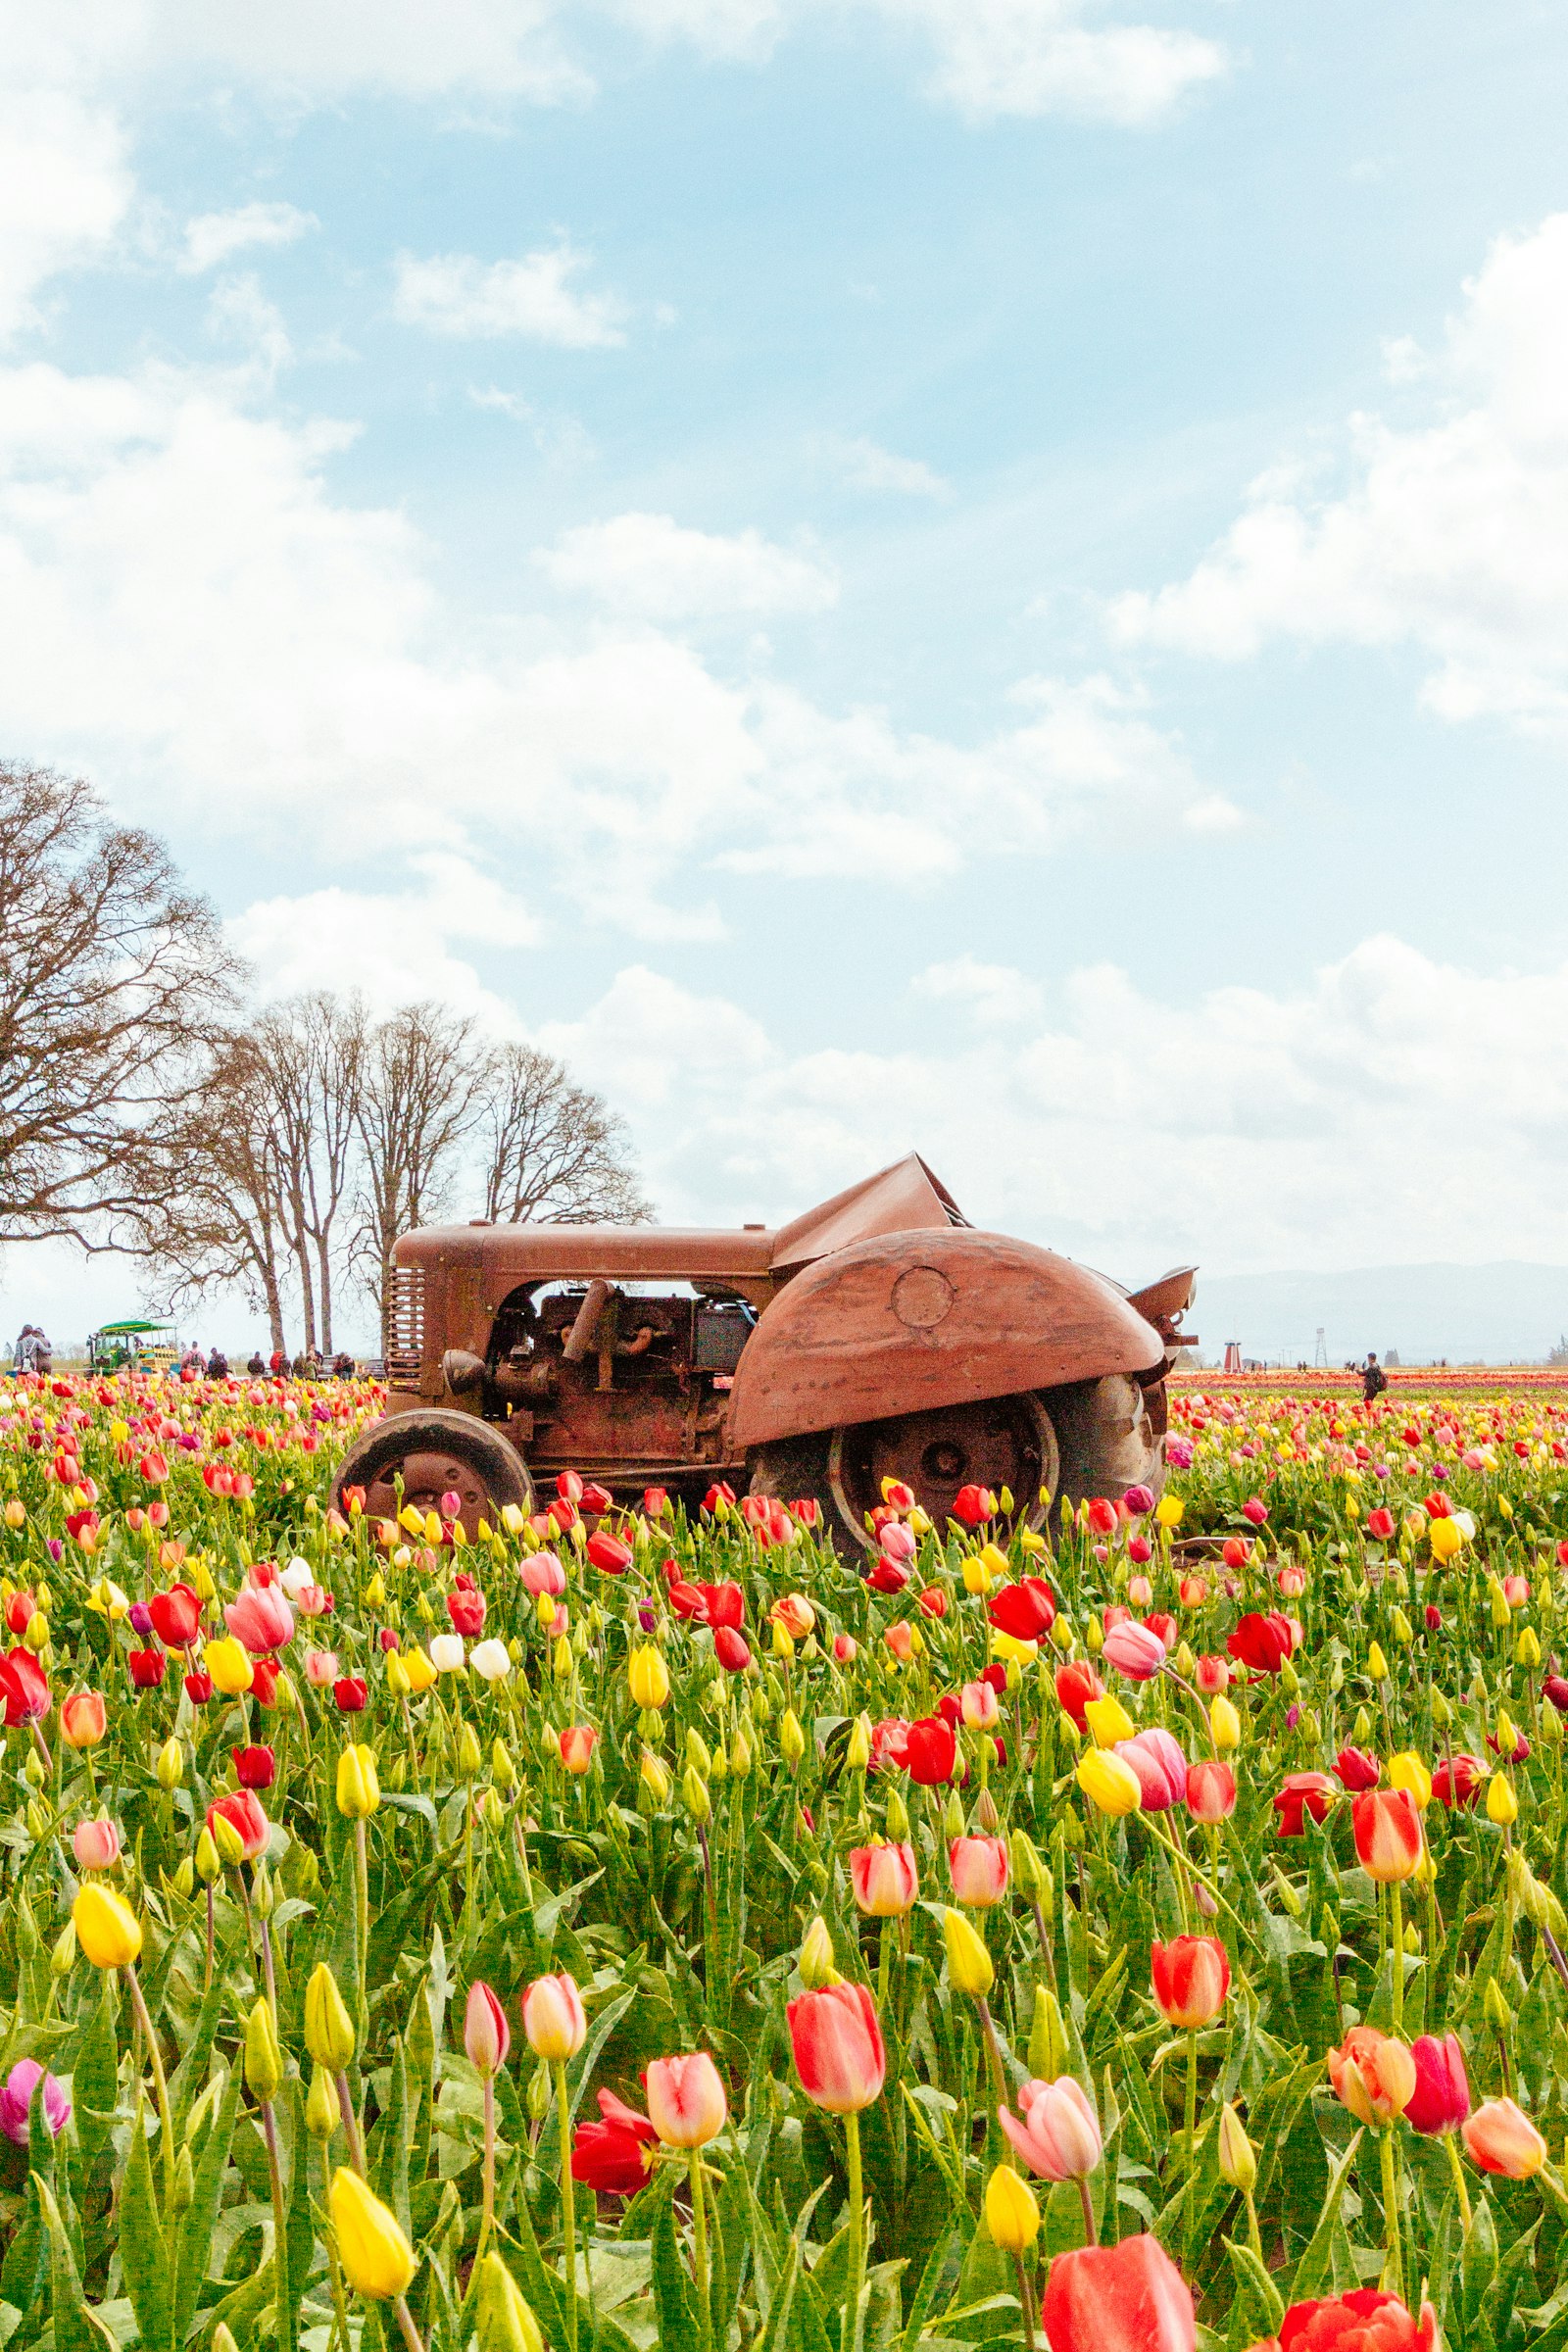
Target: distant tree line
[(145, 1106)]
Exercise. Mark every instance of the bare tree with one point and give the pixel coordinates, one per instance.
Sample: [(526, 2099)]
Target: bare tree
[(420, 1096), (314, 1049), (551, 1148), (114, 984), (224, 1226)]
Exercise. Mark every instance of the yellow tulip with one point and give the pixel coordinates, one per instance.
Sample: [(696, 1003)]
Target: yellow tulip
[(359, 1791), (968, 1961), (1377, 1665), (1012, 2215), (107, 1928), (505, 2319), (1444, 1539), (1224, 1722), (1108, 1783), (1407, 1772), (171, 1765), (229, 1663), (1008, 1645), (421, 1675), (329, 2026), (264, 2061), (1168, 1510), (647, 1678), (1108, 1721), (1502, 1807), (371, 2247)]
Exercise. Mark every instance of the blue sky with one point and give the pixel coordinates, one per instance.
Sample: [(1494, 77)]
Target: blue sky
[(984, 574)]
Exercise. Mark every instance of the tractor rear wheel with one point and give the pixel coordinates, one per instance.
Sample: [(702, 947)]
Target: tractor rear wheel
[(1110, 1439), (435, 1452)]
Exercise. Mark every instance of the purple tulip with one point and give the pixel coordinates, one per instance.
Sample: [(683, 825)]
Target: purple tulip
[(16, 2100), (141, 1618)]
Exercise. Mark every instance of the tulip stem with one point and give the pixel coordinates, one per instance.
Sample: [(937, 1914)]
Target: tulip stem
[(404, 2318), (281, 2265), (488, 2209), (351, 2123), (852, 2300), (1190, 2133), (1393, 2277), (700, 2247), (160, 2088), (335, 2267), (1029, 2336), (362, 1930), (1397, 1970), (1086, 2200), (1450, 2142), (207, 1973), (569, 2210)]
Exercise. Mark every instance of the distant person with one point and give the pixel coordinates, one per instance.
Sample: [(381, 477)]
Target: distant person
[(278, 1363), (343, 1365), (1374, 1380), (217, 1365), (257, 1367)]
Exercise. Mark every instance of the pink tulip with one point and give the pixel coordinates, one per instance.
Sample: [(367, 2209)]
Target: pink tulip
[(542, 1572), (96, 1844), (686, 2102), (838, 2048), (980, 1709), (21, 2085), (552, 2018), (1134, 1651), (897, 1541), (1502, 2139), (486, 2035), (321, 1668), (979, 1867), (1161, 1767), (260, 1618), (884, 1879), (1060, 2136), (1210, 1789)]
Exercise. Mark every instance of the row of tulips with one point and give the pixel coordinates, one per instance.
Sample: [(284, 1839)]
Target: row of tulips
[(632, 1926)]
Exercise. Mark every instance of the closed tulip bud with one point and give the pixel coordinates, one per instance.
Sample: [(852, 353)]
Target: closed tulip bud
[(329, 2028), (1442, 1712), (506, 2320), (696, 1755), (1498, 2015), (263, 1898), (1224, 1723), (171, 1765), (563, 1658), (492, 1812), (1508, 1733), (553, 2018), (1237, 2159), (209, 1861), (952, 1816), (1287, 1893), (502, 1771), (648, 1679), (359, 1791), (1402, 1627), (63, 1958), (740, 1754), (182, 2188), (857, 1754), (791, 1737), (469, 1753), (323, 2110), (377, 2259), (655, 1779), (1290, 1679), (1013, 2214), (398, 1678), (263, 2060), (818, 1962), (1093, 1637), (1527, 1649), (107, 1929), (1031, 1874), (184, 1879), (35, 1633), (39, 1820), (694, 1795), (969, 1962), (1502, 1807), (1047, 2037), (1377, 1665)]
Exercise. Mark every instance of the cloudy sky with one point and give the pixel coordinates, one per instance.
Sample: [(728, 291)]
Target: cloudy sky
[(989, 575)]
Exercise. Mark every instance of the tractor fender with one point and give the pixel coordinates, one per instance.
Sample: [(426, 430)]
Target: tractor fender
[(908, 1322)]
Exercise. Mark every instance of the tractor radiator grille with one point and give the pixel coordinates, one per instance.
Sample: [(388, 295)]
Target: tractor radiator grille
[(403, 1326)]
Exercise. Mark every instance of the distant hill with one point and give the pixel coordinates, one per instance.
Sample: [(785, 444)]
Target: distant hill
[(1503, 1313)]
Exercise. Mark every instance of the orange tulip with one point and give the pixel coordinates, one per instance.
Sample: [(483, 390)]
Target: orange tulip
[(1372, 2075), (1388, 1834)]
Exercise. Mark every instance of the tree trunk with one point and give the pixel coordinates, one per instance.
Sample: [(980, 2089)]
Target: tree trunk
[(274, 1311), (325, 1295), (307, 1294)]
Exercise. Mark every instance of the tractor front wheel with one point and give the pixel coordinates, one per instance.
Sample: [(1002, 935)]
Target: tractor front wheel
[(435, 1452)]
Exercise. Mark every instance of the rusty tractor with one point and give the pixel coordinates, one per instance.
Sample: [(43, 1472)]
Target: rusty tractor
[(878, 1337)]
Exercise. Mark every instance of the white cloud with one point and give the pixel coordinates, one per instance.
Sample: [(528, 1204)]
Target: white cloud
[(455, 294), (866, 467), (560, 439), (240, 313), (215, 237), (65, 189), (1301, 1126), (654, 566), (1449, 533), (992, 57), (991, 993)]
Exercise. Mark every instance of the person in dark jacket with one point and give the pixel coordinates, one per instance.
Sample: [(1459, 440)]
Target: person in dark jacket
[(1374, 1380)]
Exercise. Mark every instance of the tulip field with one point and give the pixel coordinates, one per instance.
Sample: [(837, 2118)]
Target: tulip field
[(1117, 1930)]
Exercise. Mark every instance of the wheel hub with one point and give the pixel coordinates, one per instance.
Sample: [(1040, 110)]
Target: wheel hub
[(1000, 1441)]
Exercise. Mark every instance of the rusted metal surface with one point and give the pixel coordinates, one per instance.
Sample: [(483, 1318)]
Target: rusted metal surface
[(879, 1329), (910, 1325)]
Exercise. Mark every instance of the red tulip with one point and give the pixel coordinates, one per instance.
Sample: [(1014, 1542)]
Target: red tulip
[(609, 1554), (1366, 2320), (1191, 1976), (1441, 2099), (1263, 1642), (466, 1611), (1077, 1684), (1102, 1516), (1135, 1651), (24, 1686), (930, 1751), (1388, 1834), (595, 1500), (1212, 1673), (147, 1668), (199, 1686), (838, 2049), (973, 1505), (577, 1743), (350, 1694), (1256, 1511), (1555, 1689), (1125, 2298), (486, 2034), (1379, 1523), (255, 1767), (731, 1649), (888, 1576), (1303, 1793), (1357, 1769), (1236, 1551), (1459, 1783), (569, 1487), (1027, 1610), (245, 1817), (263, 1683), (614, 2156), (718, 1495)]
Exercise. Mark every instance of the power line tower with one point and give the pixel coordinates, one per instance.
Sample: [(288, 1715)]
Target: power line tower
[(1320, 1361)]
